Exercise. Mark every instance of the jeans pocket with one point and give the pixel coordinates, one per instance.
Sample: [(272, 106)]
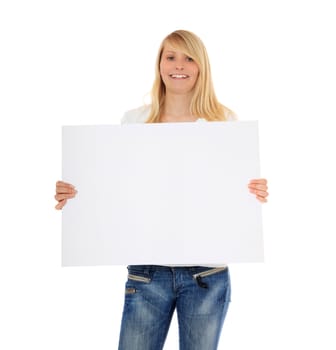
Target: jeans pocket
[(207, 273), (139, 273), (138, 278)]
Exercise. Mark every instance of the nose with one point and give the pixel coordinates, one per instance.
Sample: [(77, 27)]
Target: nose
[(179, 65)]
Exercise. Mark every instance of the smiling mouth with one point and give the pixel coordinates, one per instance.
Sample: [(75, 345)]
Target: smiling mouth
[(179, 76)]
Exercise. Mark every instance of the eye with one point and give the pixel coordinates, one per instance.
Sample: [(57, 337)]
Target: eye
[(189, 59), (170, 58)]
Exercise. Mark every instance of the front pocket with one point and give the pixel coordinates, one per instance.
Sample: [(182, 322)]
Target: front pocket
[(138, 278), (209, 272)]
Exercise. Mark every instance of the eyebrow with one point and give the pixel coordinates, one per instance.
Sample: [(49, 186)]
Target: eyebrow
[(171, 52)]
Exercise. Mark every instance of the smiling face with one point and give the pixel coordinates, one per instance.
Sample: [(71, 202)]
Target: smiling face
[(178, 71)]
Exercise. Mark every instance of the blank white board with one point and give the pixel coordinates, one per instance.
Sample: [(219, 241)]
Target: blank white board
[(163, 194)]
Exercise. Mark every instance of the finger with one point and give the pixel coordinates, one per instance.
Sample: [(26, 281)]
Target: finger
[(263, 194), (258, 181), (260, 193), (62, 196), (61, 204), (64, 184), (262, 199), (66, 193), (65, 189), (258, 187), (60, 185)]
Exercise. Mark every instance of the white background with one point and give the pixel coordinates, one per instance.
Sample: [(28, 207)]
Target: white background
[(85, 62)]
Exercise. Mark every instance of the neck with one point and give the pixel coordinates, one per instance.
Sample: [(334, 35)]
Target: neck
[(177, 108)]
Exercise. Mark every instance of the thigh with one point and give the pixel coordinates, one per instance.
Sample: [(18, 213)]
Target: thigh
[(202, 306), (148, 310)]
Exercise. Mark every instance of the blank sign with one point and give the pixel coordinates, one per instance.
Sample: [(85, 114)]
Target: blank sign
[(163, 194)]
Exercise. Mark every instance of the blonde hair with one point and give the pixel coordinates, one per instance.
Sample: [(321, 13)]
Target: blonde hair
[(204, 103)]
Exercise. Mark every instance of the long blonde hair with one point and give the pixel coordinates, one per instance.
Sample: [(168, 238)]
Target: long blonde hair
[(204, 103)]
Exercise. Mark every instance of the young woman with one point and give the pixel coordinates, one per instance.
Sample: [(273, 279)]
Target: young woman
[(182, 92)]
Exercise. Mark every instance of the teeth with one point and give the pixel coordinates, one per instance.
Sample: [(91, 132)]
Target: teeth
[(179, 76)]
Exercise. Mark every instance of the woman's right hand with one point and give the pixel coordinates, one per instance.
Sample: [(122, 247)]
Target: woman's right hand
[(64, 191)]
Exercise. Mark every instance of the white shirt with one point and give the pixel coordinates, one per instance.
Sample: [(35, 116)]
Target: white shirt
[(140, 115)]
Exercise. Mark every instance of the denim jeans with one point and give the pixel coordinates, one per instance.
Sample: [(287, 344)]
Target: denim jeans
[(200, 295)]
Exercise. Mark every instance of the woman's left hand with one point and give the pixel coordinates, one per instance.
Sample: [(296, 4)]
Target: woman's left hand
[(259, 188)]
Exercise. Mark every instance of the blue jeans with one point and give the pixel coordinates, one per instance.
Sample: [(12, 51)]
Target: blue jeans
[(200, 295)]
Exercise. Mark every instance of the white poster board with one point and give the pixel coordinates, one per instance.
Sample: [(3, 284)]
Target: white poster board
[(171, 193)]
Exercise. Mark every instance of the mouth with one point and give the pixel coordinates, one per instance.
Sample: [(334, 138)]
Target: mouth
[(179, 76)]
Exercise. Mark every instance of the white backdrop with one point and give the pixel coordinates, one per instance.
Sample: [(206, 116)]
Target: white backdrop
[(82, 62)]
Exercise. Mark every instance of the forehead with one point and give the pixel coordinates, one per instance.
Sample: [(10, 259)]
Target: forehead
[(173, 49)]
